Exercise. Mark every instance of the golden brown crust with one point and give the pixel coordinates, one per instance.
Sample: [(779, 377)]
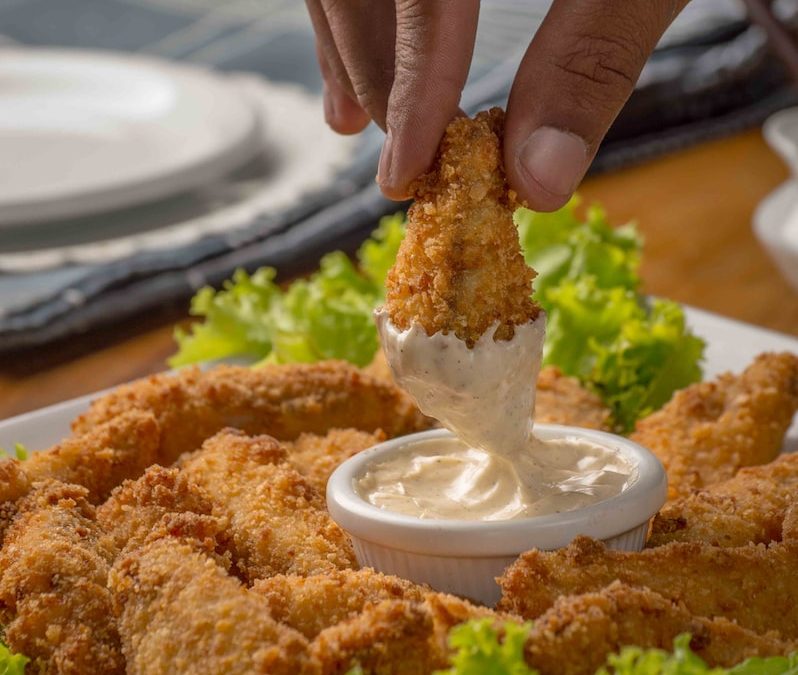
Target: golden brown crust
[(316, 457), (100, 459), (277, 521), (311, 604), (54, 603), (136, 507), (562, 400), (575, 636), (749, 508), (392, 636), (14, 484), (282, 400), (752, 585), (460, 268), (180, 611), (709, 431)]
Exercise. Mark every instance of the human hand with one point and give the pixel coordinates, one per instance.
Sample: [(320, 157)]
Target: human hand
[(403, 64)]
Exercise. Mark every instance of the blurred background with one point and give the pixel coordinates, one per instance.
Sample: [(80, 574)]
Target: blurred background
[(150, 147)]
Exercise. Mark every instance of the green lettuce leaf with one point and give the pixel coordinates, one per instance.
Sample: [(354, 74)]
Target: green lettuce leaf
[(20, 452), (633, 353), (683, 661), (478, 649), (378, 253), (327, 316), (10, 663)]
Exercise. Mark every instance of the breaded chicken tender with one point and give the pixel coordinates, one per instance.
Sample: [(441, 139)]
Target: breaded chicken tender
[(316, 457), (575, 636), (392, 636), (136, 507), (99, 459), (460, 269), (280, 400), (749, 508), (14, 485), (181, 612), (54, 603), (311, 604), (709, 431), (397, 636), (752, 585), (278, 522), (562, 400)]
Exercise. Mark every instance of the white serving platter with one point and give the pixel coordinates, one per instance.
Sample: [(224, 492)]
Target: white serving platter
[(731, 345)]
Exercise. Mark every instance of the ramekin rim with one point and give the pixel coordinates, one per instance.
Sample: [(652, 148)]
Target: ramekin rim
[(603, 520)]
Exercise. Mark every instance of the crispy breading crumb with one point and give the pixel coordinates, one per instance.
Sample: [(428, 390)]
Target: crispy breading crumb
[(460, 268), (710, 430)]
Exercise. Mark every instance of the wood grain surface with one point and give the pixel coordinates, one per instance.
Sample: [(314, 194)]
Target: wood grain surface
[(694, 209)]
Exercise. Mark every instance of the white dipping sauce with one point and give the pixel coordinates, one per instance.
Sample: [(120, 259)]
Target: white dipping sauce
[(446, 479), (485, 395), (496, 469)]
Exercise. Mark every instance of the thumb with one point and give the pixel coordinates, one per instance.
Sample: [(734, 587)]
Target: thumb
[(575, 77)]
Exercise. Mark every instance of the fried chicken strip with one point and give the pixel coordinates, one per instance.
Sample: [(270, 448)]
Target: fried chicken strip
[(392, 636), (710, 430), (277, 521), (54, 603), (311, 604), (316, 457), (749, 508), (460, 269), (562, 400), (281, 400), (396, 636), (136, 507), (181, 612), (14, 485), (752, 585), (99, 459), (575, 636)]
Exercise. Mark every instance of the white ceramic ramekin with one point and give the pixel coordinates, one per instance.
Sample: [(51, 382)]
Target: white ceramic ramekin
[(464, 557)]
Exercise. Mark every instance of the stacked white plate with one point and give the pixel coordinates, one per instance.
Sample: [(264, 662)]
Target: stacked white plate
[(83, 132)]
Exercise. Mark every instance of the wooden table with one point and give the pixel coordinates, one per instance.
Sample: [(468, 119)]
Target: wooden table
[(694, 209)]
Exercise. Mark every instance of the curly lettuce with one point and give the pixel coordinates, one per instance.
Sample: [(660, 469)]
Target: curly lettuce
[(478, 647), (327, 316), (633, 353), (20, 452), (11, 663)]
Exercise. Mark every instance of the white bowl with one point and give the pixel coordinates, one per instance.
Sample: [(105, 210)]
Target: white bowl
[(776, 217), (464, 557)]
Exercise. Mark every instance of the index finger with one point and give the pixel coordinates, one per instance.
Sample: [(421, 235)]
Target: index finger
[(434, 45)]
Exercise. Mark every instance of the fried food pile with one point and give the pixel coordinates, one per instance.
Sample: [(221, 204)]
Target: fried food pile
[(219, 550), (182, 527)]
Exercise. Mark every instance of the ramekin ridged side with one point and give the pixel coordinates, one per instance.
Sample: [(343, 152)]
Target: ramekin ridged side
[(472, 578)]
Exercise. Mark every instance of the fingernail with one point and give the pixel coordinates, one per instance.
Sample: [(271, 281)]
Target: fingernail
[(329, 106), (553, 158), (386, 157)]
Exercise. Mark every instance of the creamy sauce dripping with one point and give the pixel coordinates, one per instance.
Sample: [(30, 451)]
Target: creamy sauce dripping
[(496, 468), (485, 395)]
